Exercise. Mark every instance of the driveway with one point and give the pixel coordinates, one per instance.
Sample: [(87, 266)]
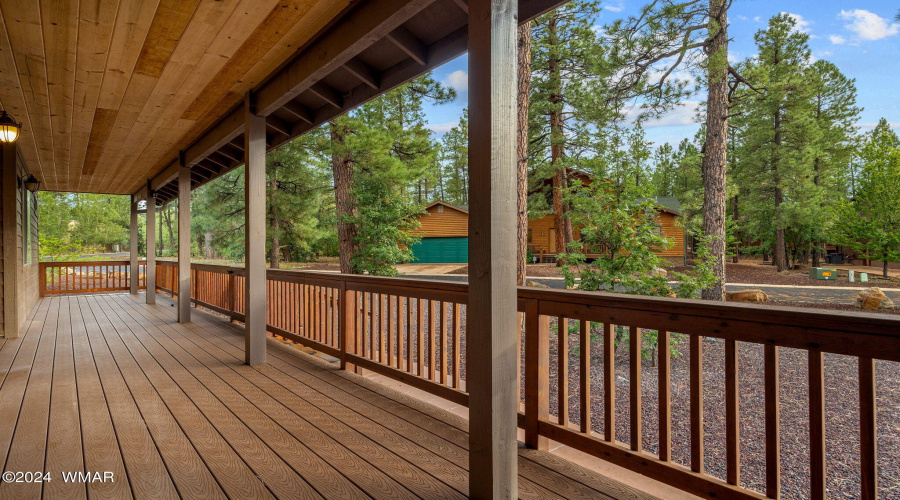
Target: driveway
[(835, 295)]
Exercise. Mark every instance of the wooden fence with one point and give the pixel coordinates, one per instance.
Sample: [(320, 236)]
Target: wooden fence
[(88, 277), (414, 331)]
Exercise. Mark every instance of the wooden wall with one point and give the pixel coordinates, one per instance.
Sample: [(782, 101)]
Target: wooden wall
[(25, 290), (542, 237), (443, 221)]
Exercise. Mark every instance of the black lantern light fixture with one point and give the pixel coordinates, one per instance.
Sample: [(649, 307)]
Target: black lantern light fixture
[(31, 183), (9, 128)]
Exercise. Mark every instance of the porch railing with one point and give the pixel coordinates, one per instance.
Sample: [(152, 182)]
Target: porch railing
[(88, 277), (414, 331)]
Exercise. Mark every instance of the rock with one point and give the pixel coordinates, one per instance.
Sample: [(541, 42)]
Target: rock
[(752, 295), (873, 298), (536, 284), (659, 272)]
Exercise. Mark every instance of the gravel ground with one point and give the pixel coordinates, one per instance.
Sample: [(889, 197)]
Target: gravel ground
[(842, 440), (832, 307), (757, 273)]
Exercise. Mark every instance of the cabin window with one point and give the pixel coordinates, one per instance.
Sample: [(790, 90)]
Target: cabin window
[(440, 209), (659, 230), (530, 239)]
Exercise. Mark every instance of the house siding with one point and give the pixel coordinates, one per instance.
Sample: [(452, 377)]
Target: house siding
[(449, 223), (24, 291)]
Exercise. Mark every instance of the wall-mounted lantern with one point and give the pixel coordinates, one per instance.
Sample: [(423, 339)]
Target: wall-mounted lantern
[(9, 128), (32, 184)]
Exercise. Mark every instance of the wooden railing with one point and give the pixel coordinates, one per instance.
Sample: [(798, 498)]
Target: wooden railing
[(87, 277), (414, 331)]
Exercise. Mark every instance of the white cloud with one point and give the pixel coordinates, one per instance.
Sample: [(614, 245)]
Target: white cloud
[(837, 39), (757, 19), (614, 8), (441, 128), (459, 80), (800, 24), (868, 25), (680, 116), (870, 126)]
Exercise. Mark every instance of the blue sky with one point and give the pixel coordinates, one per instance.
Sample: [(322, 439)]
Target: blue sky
[(861, 38)]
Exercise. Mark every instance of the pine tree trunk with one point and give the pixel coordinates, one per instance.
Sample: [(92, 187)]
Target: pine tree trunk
[(884, 271), (169, 227), (208, 252), (524, 92), (737, 242), (159, 242), (342, 166), (715, 159), (559, 184), (816, 246), (275, 252)]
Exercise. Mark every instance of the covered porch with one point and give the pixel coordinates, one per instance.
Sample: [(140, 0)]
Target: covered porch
[(111, 385)]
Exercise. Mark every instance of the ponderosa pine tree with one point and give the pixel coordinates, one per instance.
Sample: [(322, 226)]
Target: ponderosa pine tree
[(836, 114), (382, 151), (569, 70), (666, 37), (777, 129), (455, 165), (870, 221)]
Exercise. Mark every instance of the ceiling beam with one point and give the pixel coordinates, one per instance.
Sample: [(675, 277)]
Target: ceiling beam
[(327, 94), (299, 110), (278, 125), (361, 28), (463, 5), (361, 70), (407, 42), (228, 151)]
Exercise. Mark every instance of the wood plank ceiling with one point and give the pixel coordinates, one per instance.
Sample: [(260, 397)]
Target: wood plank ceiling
[(115, 95), (109, 91)]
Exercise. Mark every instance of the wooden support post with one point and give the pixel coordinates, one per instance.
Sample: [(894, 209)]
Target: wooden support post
[(184, 242), (537, 375), (151, 246), (491, 315), (10, 241), (133, 272), (255, 236)]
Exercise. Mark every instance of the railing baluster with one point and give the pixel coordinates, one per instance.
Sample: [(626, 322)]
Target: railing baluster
[(696, 383), (609, 383), (585, 372), (537, 377), (868, 442), (634, 365), (367, 322), (773, 422), (732, 415), (390, 330), (816, 424), (420, 337), (409, 344), (562, 358), (664, 347), (456, 344), (432, 337), (442, 342)]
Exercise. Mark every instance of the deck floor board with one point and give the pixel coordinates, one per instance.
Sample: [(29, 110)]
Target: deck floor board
[(109, 383)]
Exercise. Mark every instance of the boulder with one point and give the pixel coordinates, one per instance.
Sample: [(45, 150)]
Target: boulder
[(752, 295), (536, 284), (873, 298)]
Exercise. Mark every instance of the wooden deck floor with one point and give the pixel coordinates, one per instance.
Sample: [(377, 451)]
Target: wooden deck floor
[(105, 383)]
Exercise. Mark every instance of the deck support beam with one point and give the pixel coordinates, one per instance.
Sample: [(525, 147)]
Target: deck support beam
[(133, 271), (184, 242), (491, 319), (151, 246), (255, 235)]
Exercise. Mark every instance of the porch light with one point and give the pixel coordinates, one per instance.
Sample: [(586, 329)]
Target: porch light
[(31, 183), (9, 129)]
